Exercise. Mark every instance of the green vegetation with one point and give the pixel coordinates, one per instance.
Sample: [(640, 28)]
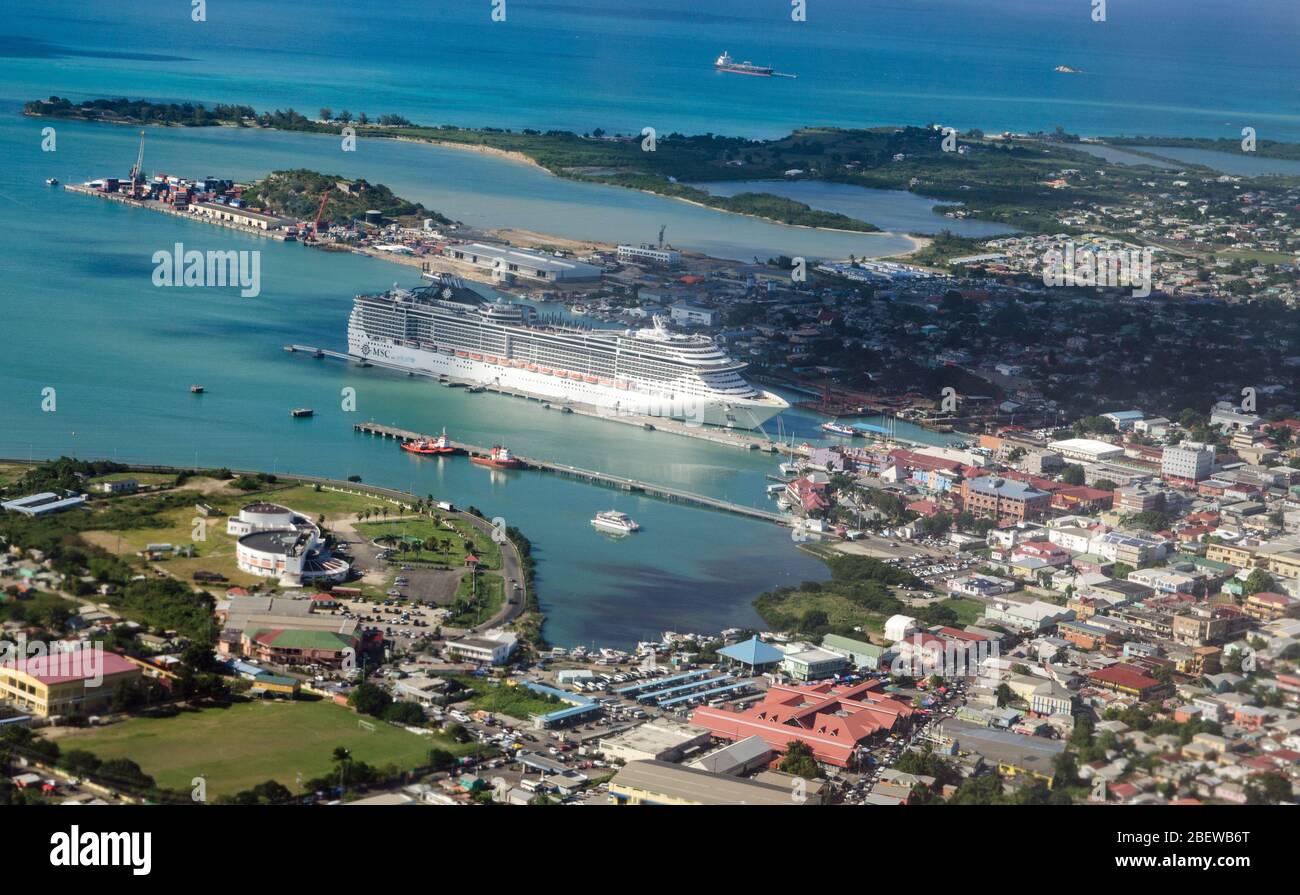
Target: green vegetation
[(474, 608), (247, 743), (858, 595), (943, 247), (513, 700), (298, 193), (798, 760)]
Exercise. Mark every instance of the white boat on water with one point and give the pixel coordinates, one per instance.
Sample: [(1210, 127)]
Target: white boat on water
[(613, 520)]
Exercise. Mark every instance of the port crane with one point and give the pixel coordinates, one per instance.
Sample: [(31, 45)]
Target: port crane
[(315, 226), (137, 170)]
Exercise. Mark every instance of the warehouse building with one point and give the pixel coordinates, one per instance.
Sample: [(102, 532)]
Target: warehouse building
[(664, 783), (657, 741), (1088, 450), (505, 263)]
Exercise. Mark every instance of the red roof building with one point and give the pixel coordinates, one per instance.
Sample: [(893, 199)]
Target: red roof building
[(1130, 680), (832, 720)]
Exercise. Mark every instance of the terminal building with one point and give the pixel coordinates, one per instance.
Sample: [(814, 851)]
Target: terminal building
[(505, 263)]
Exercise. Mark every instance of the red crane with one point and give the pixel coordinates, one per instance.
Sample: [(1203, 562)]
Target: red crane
[(315, 227)]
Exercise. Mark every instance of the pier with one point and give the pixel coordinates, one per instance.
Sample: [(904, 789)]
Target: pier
[(164, 208), (604, 479)]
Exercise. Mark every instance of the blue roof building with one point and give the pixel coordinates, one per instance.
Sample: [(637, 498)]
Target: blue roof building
[(753, 652)]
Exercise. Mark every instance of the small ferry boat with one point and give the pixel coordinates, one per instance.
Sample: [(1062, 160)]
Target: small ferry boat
[(613, 520), (196, 389), (840, 429), (301, 412), (51, 181), (500, 458), (440, 445)]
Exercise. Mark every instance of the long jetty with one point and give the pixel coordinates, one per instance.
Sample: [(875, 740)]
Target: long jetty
[(605, 479)]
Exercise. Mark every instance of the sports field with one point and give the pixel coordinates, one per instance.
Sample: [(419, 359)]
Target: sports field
[(251, 742)]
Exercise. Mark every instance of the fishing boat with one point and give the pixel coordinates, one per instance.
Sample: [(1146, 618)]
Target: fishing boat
[(301, 412)]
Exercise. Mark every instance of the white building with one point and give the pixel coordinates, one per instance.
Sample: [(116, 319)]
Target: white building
[(492, 647), (648, 254), (900, 627), (687, 314), (276, 542), (1190, 460), (1089, 450), (1035, 616), (506, 263)]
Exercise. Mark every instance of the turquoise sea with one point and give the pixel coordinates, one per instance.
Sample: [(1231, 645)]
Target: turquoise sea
[(79, 313)]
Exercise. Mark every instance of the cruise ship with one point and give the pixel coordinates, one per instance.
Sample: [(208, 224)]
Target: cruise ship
[(446, 329)]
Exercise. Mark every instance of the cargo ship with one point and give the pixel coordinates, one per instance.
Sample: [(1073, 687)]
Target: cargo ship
[(500, 458), (727, 64)]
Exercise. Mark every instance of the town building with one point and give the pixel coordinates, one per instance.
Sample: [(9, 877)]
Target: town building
[(489, 648), (664, 783), (1187, 462), (1088, 450), (648, 254), (72, 682), (1003, 498), (834, 721)]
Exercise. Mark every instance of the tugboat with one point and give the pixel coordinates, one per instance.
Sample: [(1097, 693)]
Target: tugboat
[(840, 429), (196, 389), (301, 412), (500, 458), (439, 445)]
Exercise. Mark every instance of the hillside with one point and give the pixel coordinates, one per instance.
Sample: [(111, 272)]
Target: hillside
[(297, 194)]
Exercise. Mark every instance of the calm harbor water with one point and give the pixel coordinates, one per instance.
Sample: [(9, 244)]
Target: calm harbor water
[(80, 314), (896, 210)]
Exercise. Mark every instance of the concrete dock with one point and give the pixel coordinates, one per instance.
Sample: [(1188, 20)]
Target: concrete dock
[(608, 480)]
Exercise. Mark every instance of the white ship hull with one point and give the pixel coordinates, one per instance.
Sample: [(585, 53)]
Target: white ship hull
[(739, 413), (612, 527)]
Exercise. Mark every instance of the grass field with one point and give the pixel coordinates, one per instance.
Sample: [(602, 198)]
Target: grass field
[(968, 611), (143, 478), (216, 549), (515, 701), (452, 551), (251, 742)]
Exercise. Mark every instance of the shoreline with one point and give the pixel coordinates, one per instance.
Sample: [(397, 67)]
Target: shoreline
[(503, 154)]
